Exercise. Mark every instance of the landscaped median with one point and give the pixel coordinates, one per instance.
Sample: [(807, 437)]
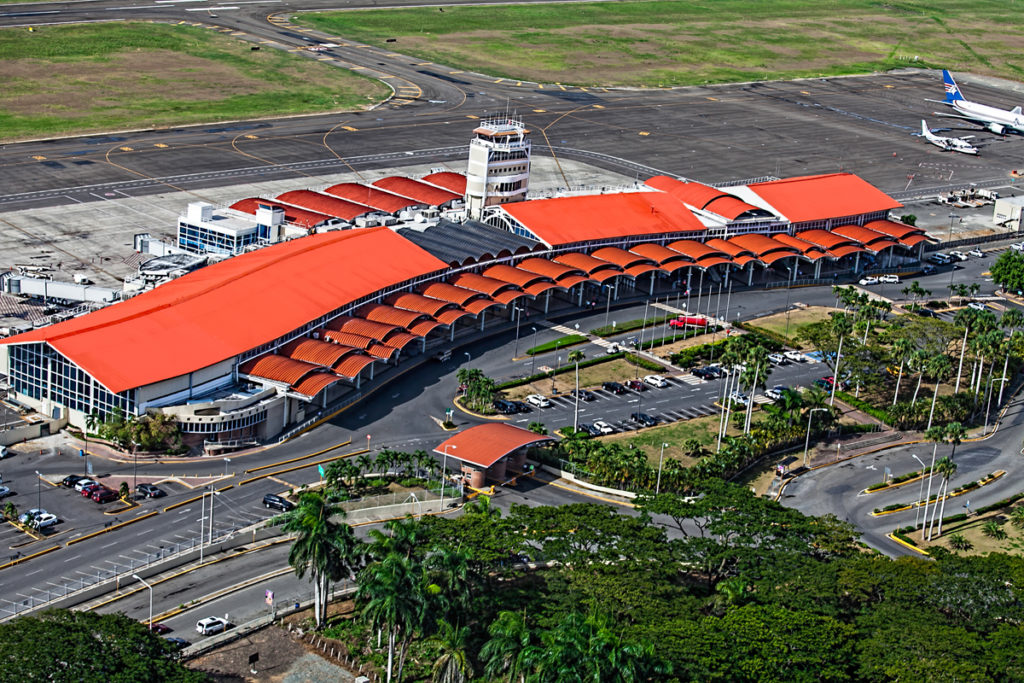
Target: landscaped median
[(897, 482), (959, 491)]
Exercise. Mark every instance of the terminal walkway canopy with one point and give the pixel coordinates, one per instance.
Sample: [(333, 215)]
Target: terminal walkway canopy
[(486, 444)]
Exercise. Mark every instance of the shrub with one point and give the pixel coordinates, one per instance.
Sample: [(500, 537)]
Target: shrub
[(560, 343), (644, 363), (959, 542), (629, 326), (879, 485)]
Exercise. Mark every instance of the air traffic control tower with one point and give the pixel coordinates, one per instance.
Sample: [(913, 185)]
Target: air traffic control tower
[(499, 165)]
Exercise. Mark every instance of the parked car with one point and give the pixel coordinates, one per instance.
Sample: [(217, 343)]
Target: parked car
[(584, 394), (604, 427), (44, 521), (613, 349), (926, 312), (636, 385), (5, 452), (778, 359), (30, 515), (179, 643), (704, 373), (928, 270), (775, 393), (149, 491), (160, 629), (104, 495), (977, 305), (272, 500), (588, 428), (890, 279), (521, 406), (870, 280), (739, 397), (958, 255), (795, 356), (976, 253), (643, 419), (504, 407), (1017, 246), (70, 480), (941, 259), (822, 384), (87, 491), (82, 483), (5, 491), (211, 625), (614, 387), (656, 381), (538, 400)]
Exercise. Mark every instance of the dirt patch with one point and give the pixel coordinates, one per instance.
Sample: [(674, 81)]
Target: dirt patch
[(794, 320)]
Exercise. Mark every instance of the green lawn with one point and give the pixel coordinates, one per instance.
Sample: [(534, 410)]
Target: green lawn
[(667, 42), (81, 78)]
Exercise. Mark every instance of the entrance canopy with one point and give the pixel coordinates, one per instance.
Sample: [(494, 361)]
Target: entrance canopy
[(484, 445)]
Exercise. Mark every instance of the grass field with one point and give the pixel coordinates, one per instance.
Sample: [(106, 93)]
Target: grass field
[(75, 79), (667, 42), (590, 377), (798, 319)]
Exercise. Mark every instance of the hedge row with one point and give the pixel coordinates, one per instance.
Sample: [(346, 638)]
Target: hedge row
[(644, 363), (560, 343), (864, 406), (630, 325)]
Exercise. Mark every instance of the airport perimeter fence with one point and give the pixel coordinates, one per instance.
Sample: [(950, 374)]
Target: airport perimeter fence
[(968, 241), (63, 590)]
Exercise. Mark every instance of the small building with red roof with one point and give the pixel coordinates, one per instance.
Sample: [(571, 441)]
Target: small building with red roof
[(489, 452)]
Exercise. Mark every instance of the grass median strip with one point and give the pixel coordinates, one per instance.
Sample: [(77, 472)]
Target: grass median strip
[(301, 457), (299, 467)]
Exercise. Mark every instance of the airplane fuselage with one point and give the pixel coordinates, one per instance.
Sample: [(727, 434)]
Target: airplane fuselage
[(989, 114)]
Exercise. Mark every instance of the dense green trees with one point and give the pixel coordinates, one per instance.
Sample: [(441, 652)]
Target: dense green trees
[(61, 645)]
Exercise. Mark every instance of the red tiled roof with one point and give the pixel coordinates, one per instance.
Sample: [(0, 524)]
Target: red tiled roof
[(449, 180), (422, 192), (350, 366), (446, 292), (640, 269), (363, 327), (803, 246), (423, 327), (518, 277), (893, 228), (315, 383), (486, 444), (875, 241), (761, 245), (658, 253), (371, 196), (356, 341), (731, 248), (913, 240), (321, 203), (292, 214), (844, 250), (585, 263), (812, 198), (824, 239), (620, 257), (703, 197), (566, 220), (698, 251), (450, 316), (277, 368), (382, 351), (232, 306), (478, 305), (482, 284), (380, 313), (541, 287), (316, 351), (543, 266), (418, 303)]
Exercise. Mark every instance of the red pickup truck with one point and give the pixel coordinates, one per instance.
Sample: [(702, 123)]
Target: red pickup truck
[(689, 320)]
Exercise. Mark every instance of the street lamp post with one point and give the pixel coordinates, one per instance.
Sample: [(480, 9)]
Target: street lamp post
[(143, 582), (807, 441), (227, 461), (661, 459), (212, 494), (202, 524), (135, 469), (517, 313), (558, 364), (920, 491), (444, 474), (608, 306), (952, 264), (39, 491)]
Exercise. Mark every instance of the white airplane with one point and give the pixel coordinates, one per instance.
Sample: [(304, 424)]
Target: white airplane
[(948, 144), (994, 119)]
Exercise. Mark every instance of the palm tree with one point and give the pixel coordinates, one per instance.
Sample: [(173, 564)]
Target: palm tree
[(901, 349), (918, 362), (503, 653), (326, 549), (946, 468), (576, 357), (453, 664), (537, 428), (365, 463), (1014, 320), (993, 530), (938, 368), (1017, 517), (958, 541), (92, 421), (392, 597), (758, 364), (841, 326), (936, 435)]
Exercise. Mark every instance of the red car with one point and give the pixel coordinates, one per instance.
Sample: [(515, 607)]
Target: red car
[(104, 495), (636, 385), (160, 629), (87, 491)]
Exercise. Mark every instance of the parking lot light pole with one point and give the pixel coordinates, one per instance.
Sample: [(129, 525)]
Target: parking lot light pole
[(518, 314), (533, 361), (202, 524), (39, 491), (444, 473), (661, 460), (143, 582), (807, 442), (227, 461), (212, 494)]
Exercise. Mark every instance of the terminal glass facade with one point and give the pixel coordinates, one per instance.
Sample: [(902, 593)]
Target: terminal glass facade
[(200, 240), (41, 373)]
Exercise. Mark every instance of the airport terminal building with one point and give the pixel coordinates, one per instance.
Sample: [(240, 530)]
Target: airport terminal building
[(251, 346)]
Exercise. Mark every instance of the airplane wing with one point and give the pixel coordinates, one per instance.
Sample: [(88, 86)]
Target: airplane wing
[(955, 116)]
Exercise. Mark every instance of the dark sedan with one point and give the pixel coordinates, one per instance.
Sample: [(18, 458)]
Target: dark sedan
[(643, 419)]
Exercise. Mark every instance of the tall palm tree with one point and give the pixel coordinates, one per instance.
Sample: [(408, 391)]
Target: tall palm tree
[(1014, 320), (946, 468), (965, 318), (326, 549), (938, 368), (918, 362), (936, 435), (503, 653), (841, 326), (759, 366), (453, 665), (365, 463), (392, 598), (901, 349), (576, 357)]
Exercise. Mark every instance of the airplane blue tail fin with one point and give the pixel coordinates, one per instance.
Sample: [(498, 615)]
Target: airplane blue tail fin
[(952, 92)]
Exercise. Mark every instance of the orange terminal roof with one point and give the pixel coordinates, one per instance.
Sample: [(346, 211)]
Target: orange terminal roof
[(315, 383), (316, 351), (446, 292), (321, 203), (826, 240), (875, 241), (803, 246), (567, 220), (658, 253), (423, 192), (761, 245), (518, 277), (698, 251), (372, 196), (486, 444), (622, 258), (232, 306), (363, 327), (913, 240), (482, 284), (894, 229), (419, 303), (542, 266), (278, 368), (382, 313), (449, 180), (292, 214), (818, 197), (356, 341), (350, 366), (585, 263), (704, 197)]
